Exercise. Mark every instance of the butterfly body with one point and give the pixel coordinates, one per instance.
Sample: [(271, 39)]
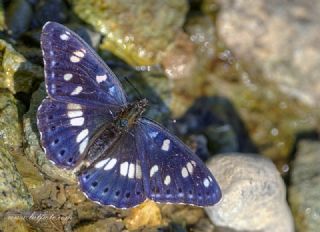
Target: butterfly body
[(86, 121)]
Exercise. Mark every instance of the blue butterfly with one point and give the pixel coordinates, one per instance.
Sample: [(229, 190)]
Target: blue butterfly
[(86, 121)]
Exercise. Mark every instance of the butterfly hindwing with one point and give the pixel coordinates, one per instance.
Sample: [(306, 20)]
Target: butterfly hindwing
[(174, 173), (74, 72), (66, 129), (116, 179)]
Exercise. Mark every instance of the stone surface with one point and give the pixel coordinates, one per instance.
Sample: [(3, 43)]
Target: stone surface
[(304, 192), (32, 146), (147, 214), (15, 25), (17, 74), (14, 194), (125, 30), (279, 38), (10, 125), (253, 194)]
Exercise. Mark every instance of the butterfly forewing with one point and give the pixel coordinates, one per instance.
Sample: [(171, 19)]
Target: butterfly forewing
[(116, 178), (74, 73), (173, 173)]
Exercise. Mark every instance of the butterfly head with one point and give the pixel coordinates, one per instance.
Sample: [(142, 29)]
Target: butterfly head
[(131, 113)]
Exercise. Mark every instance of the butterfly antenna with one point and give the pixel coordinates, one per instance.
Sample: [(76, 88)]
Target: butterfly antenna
[(140, 97)]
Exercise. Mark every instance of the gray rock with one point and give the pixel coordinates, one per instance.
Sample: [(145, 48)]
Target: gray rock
[(304, 193), (18, 17), (253, 194), (278, 37)]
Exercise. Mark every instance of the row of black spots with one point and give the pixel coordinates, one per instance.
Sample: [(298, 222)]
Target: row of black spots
[(106, 190), (156, 190)]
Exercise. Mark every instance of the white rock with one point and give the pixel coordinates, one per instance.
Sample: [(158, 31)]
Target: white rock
[(253, 194)]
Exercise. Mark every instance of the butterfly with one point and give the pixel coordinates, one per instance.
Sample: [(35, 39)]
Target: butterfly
[(86, 121)]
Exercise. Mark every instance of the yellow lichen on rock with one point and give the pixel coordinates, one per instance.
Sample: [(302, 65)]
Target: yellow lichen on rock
[(147, 214)]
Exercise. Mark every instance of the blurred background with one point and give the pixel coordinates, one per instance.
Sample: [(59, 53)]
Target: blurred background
[(237, 80)]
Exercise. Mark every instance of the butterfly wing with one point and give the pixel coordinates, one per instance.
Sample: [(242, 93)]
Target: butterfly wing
[(66, 128), (116, 179), (74, 72), (173, 173), (83, 94)]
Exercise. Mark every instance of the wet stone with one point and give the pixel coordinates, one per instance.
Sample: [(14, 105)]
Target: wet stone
[(123, 25), (49, 10), (279, 38), (17, 74), (14, 194), (23, 9), (10, 125), (304, 190)]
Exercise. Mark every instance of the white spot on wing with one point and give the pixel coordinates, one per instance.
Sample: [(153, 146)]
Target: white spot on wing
[(101, 163), (112, 90), (78, 53), (184, 172), (131, 170), (167, 180), (111, 164), (101, 78), (64, 37), (67, 76), (75, 113), (190, 167), (83, 145), (77, 90), (72, 106), (153, 134), (74, 59), (77, 121), (153, 170), (124, 168), (206, 182), (138, 171), (165, 145), (84, 133)]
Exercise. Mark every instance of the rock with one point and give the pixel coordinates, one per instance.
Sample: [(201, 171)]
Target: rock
[(108, 225), (10, 125), (182, 214), (2, 17), (17, 26), (217, 119), (304, 191), (125, 30), (278, 38), (11, 137), (32, 146), (17, 74), (14, 194), (13, 224), (49, 10), (145, 215), (253, 194)]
